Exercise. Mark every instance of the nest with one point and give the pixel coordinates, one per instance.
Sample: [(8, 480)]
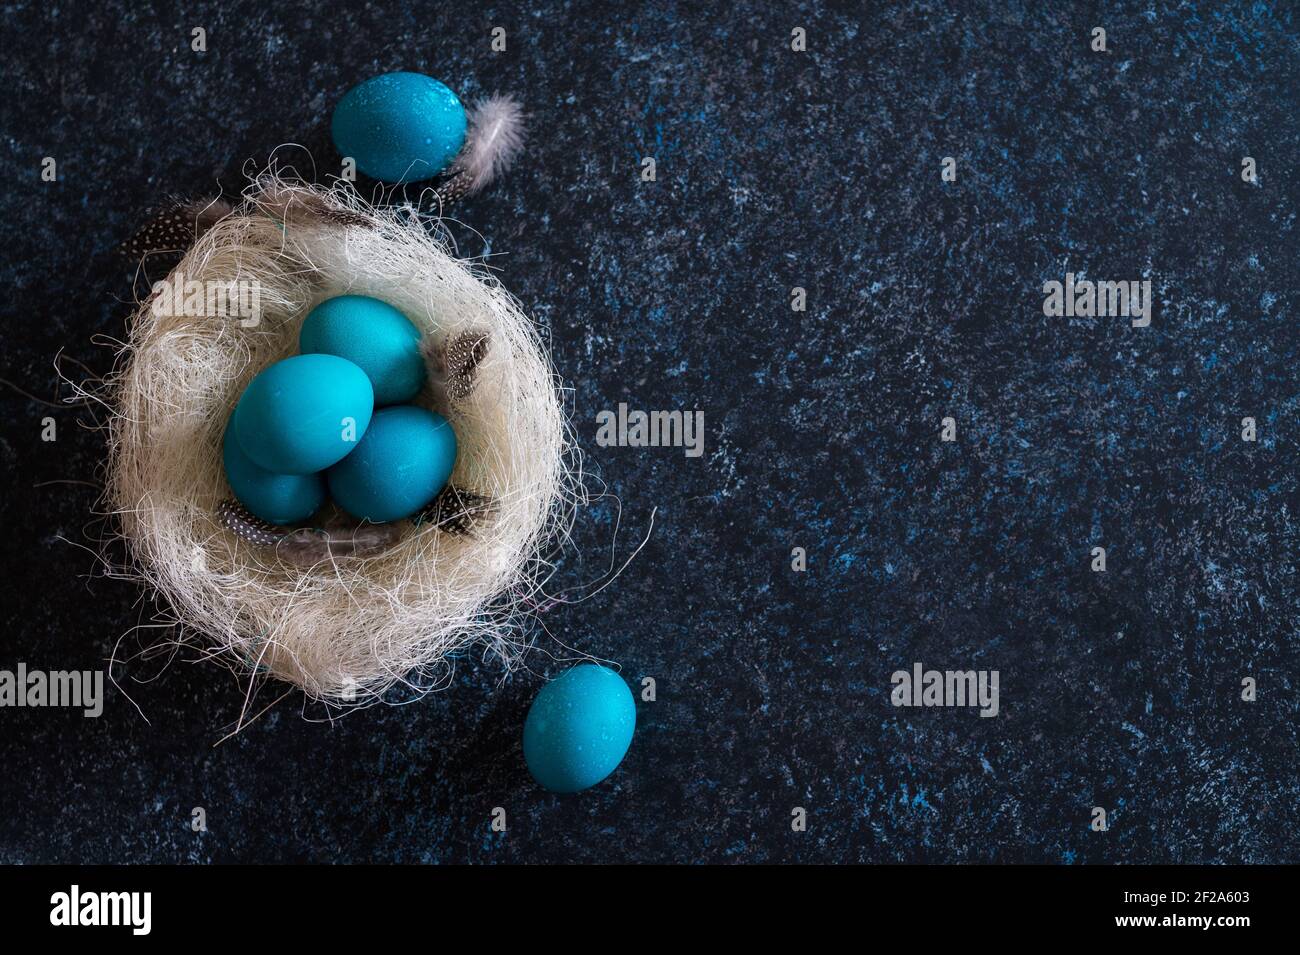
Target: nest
[(343, 623)]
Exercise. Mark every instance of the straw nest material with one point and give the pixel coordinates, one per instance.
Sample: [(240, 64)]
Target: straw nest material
[(344, 612)]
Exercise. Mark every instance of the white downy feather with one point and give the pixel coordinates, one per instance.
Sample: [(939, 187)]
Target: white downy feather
[(496, 136)]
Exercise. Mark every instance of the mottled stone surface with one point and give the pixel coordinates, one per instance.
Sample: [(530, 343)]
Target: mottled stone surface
[(775, 169)]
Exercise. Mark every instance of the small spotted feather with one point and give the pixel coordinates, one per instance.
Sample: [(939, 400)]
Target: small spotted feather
[(454, 363), (457, 511), (307, 546), (174, 230)]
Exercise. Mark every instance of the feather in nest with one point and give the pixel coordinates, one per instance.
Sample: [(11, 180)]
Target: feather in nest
[(175, 229), (453, 363), (306, 546), (457, 511)]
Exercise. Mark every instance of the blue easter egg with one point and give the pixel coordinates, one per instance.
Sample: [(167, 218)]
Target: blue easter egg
[(375, 337), (277, 498), (401, 464), (579, 728), (304, 413), (400, 127)]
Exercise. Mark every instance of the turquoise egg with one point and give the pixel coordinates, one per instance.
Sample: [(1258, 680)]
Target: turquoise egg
[(277, 498), (399, 127), (401, 464), (375, 337), (579, 728), (304, 413)]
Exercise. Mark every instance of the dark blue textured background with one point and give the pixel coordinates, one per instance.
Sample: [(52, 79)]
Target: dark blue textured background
[(775, 169)]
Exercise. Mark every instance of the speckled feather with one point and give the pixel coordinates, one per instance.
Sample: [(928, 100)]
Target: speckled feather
[(453, 363), (457, 511), (174, 230), (305, 546), (455, 188), (237, 518)]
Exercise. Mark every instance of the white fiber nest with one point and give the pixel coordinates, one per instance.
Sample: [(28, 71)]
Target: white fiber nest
[(348, 627)]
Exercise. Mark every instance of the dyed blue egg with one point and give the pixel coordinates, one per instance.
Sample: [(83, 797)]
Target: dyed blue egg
[(579, 728), (400, 127), (304, 413), (375, 337), (278, 498), (401, 464)]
